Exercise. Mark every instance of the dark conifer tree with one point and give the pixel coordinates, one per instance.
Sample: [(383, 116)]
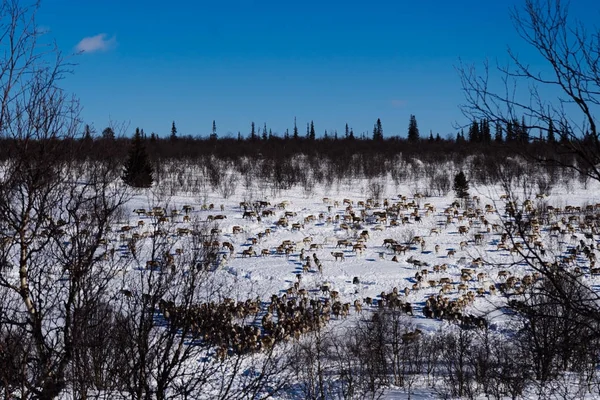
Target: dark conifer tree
[(438, 138), (265, 134), (510, 131), (351, 135), (431, 139), (378, 131), (486, 134), (138, 169), (347, 131), (173, 136), (296, 135), (564, 137), (413, 129), (213, 135), (523, 133), (474, 132), (252, 131), (551, 137), (312, 135), (498, 134), (87, 133), (461, 186), (108, 133)]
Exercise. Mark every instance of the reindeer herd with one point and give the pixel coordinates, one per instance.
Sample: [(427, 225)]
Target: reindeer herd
[(442, 261)]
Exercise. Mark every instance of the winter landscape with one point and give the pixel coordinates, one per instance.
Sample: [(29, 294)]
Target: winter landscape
[(274, 264)]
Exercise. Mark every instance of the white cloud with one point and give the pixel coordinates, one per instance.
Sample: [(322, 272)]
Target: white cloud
[(398, 103), (93, 44)]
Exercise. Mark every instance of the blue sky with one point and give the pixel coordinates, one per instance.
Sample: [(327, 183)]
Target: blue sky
[(235, 62)]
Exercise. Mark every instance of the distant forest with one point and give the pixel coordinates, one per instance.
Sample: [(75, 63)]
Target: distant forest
[(507, 139)]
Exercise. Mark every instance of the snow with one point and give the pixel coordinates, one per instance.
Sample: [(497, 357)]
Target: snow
[(263, 276)]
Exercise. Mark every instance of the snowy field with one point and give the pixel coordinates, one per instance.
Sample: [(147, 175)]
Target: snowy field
[(340, 242)]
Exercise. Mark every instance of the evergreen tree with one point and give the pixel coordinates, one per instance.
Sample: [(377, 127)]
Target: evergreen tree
[(312, 136), (173, 132), (264, 135), (239, 136), (523, 132), (474, 132), (438, 138), (347, 131), (564, 138), (286, 136), (485, 132), (510, 131), (431, 139), (498, 134), (351, 135), (270, 134), (551, 137), (252, 131), (138, 170), (108, 133), (87, 133), (213, 135), (335, 136), (153, 137), (461, 186), (296, 136), (413, 130), (378, 131)]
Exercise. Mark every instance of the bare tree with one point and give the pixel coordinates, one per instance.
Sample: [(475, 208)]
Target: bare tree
[(54, 215), (570, 75)]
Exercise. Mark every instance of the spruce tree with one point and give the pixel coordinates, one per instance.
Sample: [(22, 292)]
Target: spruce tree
[(486, 134), (413, 130), (138, 170), (312, 135), (87, 133), (295, 130), (213, 135), (510, 132), (523, 134), (498, 134), (551, 137), (378, 130), (173, 132), (461, 186), (252, 131), (474, 132), (108, 134), (264, 135)]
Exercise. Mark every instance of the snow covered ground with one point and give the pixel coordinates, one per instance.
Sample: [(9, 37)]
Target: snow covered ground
[(315, 225)]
